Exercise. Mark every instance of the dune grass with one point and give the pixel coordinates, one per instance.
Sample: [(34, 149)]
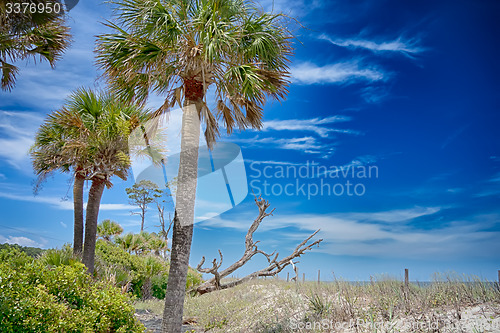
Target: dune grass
[(451, 303)]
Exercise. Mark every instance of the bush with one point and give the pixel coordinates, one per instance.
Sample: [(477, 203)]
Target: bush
[(35, 297), (58, 257), (30, 251), (145, 272)]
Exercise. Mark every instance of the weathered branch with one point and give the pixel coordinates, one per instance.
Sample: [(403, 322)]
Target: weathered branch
[(274, 265)]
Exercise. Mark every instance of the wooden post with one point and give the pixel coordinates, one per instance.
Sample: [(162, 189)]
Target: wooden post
[(407, 278), (319, 273), (287, 276), (304, 277)]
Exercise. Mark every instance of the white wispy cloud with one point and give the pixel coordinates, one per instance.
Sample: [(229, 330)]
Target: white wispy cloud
[(316, 125), (408, 47), (20, 240), (290, 7), (64, 225), (339, 73), (60, 203), (306, 144), (18, 130), (384, 234)]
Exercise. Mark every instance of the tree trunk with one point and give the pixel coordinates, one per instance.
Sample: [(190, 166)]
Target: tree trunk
[(183, 219), (147, 289), (78, 211), (142, 219), (93, 204)]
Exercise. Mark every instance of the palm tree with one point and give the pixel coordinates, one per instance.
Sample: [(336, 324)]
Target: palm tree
[(108, 229), (125, 242), (182, 48), (51, 152), (94, 131), (26, 35)]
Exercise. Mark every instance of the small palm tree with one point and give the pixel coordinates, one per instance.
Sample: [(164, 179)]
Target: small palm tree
[(107, 229), (125, 241), (182, 49), (157, 244), (26, 35)]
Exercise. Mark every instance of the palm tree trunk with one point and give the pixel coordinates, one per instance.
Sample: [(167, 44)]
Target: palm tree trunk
[(93, 204), (183, 219), (78, 211)]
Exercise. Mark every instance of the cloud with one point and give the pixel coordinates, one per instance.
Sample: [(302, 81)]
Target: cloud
[(384, 234), (18, 130), (306, 144), (23, 241), (339, 73), (375, 94), (453, 136), (291, 7), (60, 203), (408, 47), (64, 225), (392, 216), (315, 125)]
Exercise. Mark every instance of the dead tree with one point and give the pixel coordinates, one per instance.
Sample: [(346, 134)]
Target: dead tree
[(275, 265)]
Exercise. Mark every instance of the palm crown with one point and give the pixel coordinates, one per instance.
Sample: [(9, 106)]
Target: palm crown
[(26, 35), (89, 134), (181, 48)]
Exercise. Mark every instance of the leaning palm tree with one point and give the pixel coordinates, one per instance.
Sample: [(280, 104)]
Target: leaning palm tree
[(27, 34), (182, 49)]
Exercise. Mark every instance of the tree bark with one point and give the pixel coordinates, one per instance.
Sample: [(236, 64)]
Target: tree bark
[(93, 204), (78, 213), (142, 220), (183, 219)]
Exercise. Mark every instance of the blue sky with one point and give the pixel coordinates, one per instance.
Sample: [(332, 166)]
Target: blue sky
[(409, 88)]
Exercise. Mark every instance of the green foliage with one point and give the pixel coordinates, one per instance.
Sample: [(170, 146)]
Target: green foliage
[(107, 229), (30, 35), (112, 259), (142, 243), (30, 251), (159, 283), (58, 257), (35, 297), (319, 305), (143, 193)]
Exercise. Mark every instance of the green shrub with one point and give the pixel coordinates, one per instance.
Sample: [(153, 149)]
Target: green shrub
[(30, 251), (143, 270), (58, 257), (35, 297)]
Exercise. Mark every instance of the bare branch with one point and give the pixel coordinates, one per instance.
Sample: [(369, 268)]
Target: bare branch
[(275, 266)]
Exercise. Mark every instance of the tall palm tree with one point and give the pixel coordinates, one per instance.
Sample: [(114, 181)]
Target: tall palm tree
[(26, 35), (51, 152), (182, 48), (94, 131)]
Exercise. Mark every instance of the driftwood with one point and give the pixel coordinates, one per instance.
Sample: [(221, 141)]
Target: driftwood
[(275, 265)]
